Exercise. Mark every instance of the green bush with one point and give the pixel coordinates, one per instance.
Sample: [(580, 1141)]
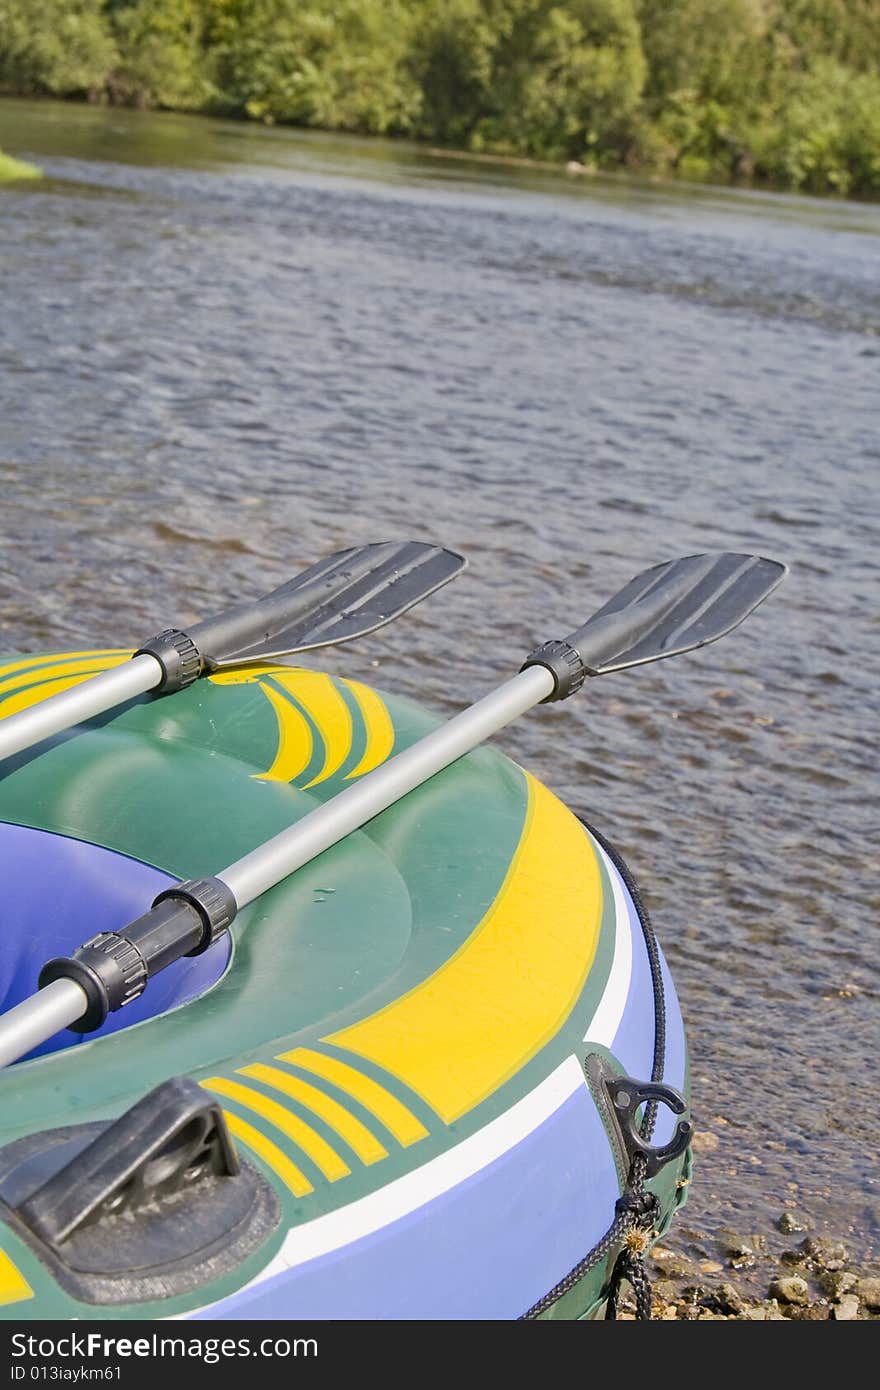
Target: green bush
[(318, 63), (163, 58), (62, 47), (826, 137)]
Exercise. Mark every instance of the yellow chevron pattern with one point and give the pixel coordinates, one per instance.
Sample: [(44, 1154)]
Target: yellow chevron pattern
[(300, 1138), (290, 691)]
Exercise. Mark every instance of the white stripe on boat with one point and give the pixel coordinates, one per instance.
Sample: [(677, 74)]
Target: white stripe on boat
[(606, 1019), (406, 1194)]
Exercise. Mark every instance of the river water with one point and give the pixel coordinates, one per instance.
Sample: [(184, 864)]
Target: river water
[(227, 350)]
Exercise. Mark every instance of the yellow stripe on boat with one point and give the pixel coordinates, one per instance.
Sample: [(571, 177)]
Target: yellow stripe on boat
[(271, 1155), (295, 740), (347, 1126), (89, 667), (36, 664), (377, 722), (321, 698), (332, 717), (457, 1037), (37, 693), (401, 1122), (14, 1288), (309, 1140)]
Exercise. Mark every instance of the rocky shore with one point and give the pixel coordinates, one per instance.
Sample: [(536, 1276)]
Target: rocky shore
[(788, 1273)]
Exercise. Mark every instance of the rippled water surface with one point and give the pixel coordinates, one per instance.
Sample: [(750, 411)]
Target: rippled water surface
[(226, 351)]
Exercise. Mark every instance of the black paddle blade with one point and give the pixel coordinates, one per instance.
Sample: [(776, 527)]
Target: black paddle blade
[(674, 608), (345, 596)]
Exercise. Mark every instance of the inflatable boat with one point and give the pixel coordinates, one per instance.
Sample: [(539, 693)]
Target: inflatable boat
[(411, 1080)]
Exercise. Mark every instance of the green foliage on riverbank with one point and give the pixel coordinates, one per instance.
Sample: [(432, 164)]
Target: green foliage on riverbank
[(783, 91)]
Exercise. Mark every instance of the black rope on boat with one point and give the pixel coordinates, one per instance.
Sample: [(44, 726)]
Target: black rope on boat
[(635, 1208), (635, 1211)]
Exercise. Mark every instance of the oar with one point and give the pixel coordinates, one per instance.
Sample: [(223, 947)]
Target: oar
[(670, 609), (347, 595)]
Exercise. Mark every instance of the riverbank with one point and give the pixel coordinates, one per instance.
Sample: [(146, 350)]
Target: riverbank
[(778, 1275), (745, 91)]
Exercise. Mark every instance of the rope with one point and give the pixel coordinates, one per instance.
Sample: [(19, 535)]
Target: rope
[(635, 1210), (629, 1266)]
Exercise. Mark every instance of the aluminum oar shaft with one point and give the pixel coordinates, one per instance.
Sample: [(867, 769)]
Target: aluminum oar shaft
[(256, 872), (84, 701), (40, 1017)]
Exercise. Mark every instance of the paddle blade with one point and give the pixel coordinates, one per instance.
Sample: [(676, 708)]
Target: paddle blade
[(675, 608), (348, 595)]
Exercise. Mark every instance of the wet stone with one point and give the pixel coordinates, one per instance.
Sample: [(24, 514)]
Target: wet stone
[(790, 1288), (825, 1254), (793, 1257), (868, 1291), (736, 1245), (811, 1312), (791, 1221), (840, 1282), (670, 1264), (727, 1299), (705, 1142), (846, 1308)]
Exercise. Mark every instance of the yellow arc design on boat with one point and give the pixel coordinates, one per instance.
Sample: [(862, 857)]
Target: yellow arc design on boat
[(319, 695), (379, 727), (463, 1032), (30, 670), (14, 1288)]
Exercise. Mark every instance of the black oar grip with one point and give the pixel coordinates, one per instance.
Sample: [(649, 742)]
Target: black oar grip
[(564, 663), (178, 656), (112, 968)]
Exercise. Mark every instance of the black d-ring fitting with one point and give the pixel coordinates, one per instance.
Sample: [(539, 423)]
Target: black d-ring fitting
[(627, 1096)]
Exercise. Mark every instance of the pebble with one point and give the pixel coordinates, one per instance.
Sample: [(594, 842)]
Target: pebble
[(728, 1299), (846, 1308), (790, 1289), (792, 1221), (825, 1254), (705, 1142), (669, 1264), (734, 1243), (868, 1291), (812, 1282), (838, 1283)]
